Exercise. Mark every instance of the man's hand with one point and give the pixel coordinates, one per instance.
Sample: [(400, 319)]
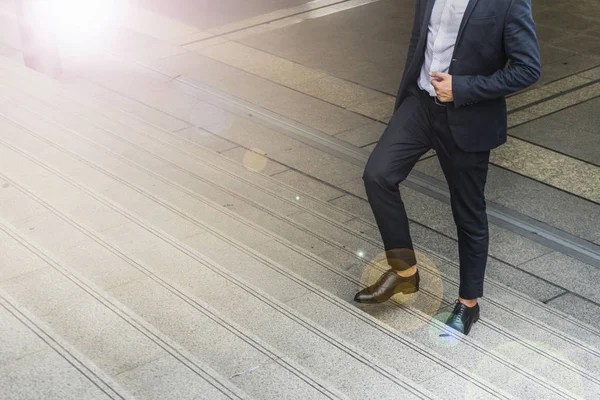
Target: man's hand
[(442, 83)]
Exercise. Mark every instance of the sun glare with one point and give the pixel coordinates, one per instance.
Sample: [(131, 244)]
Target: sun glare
[(79, 22)]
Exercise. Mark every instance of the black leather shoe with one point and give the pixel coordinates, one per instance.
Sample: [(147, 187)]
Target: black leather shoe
[(389, 284), (463, 317)]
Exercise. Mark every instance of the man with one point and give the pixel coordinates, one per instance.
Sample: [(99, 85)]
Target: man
[(464, 57)]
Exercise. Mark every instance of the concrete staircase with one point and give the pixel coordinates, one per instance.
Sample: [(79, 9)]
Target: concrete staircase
[(136, 263)]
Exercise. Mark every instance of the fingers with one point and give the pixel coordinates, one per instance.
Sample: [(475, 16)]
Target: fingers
[(439, 75)]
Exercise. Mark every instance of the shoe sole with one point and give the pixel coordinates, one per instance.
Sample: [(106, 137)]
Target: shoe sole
[(411, 290)]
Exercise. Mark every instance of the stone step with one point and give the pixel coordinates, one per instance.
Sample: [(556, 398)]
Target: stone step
[(495, 358), (111, 346), (526, 329), (506, 249), (336, 362), (511, 305), (30, 352), (342, 227), (312, 217), (312, 346)]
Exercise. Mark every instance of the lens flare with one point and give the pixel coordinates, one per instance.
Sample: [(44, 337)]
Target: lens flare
[(255, 160), (78, 23), (428, 300)]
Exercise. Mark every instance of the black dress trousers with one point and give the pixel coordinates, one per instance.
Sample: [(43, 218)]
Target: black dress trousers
[(418, 125)]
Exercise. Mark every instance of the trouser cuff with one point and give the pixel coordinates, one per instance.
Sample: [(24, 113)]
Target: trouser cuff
[(470, 293), (401, 259)]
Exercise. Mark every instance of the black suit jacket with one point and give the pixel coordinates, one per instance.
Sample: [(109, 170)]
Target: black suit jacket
[(496, 53)]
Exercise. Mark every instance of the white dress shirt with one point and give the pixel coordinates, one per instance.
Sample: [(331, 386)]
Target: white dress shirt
[(442, 33)]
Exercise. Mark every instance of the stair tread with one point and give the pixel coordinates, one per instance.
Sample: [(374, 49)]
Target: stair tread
[(544, 313), (105, 334), (138, 241), (25, 356), (350, 373), (187, 178), (87, 153)]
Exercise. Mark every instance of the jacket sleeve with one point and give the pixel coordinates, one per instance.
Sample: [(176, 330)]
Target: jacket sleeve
[(522, 48)]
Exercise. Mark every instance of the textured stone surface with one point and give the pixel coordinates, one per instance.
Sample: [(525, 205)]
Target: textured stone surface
[(566, 84), (15, 207), (381, 110), (579, 308), (166, 377), (263, 64), (340, 92), (307, 184), (497, 270), (255, 160), (363, 135), (206, 139), (105, 269), (458, 392), (567, 272), (519, 117), (370, 147), (554, 132), (550, 54), (46, 375), (88, 325), (522, 194), (83, 86), (525, 98), (308, 110), (554, 207), (318, 164), (592, 73), (196, 331), (18, 340), (565, 67), (580, 117), (122, 102), (513, 248), (49, 230), (356, 206), (162, 120), (332, 232), (344, 53)]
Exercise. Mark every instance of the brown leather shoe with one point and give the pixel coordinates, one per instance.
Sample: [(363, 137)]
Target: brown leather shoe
[(389, 284)]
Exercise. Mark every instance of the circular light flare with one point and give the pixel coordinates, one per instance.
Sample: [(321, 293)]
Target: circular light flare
[(78, 22), (255, 160), (428, 300)]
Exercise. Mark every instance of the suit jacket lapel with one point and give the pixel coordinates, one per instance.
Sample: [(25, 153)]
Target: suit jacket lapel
[(427, 17), (468, 11)]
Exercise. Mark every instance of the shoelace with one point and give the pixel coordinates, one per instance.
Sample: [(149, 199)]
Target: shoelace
[(456, 316), (459, 310)]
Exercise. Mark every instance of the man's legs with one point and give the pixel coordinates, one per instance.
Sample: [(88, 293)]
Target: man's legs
[(405, 140), (466, 174), (419, 124)]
